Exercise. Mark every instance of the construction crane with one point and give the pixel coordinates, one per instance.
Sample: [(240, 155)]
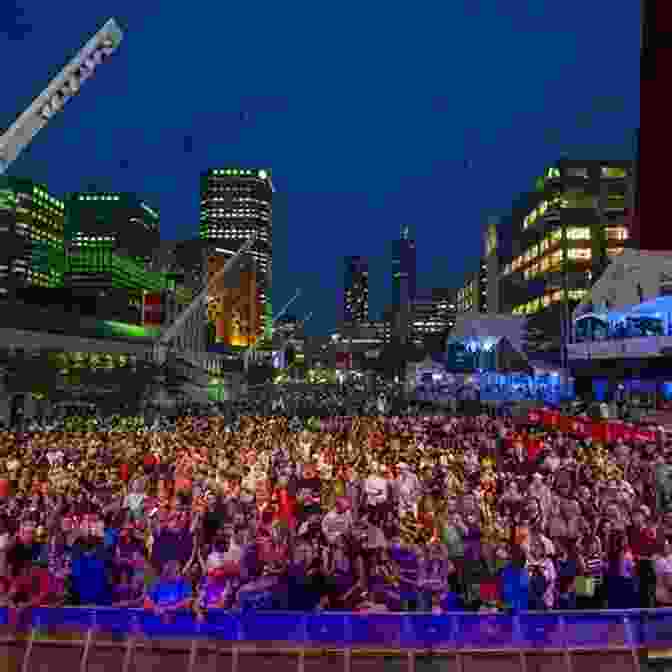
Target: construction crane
[(250, 351), (174, 330), (60, 90)]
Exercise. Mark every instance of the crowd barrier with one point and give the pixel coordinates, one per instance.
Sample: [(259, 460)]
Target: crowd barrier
[(133, 640)]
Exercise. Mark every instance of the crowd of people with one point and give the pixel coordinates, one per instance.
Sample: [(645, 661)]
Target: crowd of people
[(286, 510)]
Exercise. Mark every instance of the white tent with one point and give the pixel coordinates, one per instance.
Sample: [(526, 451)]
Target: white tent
[(487, 330), (634, 279)]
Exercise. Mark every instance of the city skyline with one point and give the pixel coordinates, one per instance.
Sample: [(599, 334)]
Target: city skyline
[(462, 147)]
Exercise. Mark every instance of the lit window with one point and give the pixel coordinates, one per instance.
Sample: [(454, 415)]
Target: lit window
[(578, 233), (617, 233), (613, 172), (579, 253)]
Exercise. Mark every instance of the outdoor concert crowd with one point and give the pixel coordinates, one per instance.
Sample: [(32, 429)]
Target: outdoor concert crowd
[(369, 513)]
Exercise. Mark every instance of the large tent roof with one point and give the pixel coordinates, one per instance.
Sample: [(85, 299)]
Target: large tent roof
[(635, 281), (489, 329)]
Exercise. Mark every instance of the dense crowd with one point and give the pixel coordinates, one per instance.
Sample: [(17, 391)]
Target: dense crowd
[(288, 511)]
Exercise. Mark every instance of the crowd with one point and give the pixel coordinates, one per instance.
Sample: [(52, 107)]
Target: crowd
[(287, 511)]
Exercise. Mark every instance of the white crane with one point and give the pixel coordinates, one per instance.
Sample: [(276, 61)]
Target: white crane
[(59, 91)]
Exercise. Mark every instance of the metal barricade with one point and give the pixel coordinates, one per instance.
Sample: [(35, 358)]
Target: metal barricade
[(89, 639)]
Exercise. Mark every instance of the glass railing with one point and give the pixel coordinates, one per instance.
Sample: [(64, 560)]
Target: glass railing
[(651, 629)]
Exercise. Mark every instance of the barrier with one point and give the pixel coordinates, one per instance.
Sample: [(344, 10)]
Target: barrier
[(134, 640)]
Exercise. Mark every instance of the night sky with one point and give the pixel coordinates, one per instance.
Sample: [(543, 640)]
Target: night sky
[(370, 115)]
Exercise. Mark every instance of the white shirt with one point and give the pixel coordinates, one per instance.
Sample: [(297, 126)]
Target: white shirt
[(335, 524), (375, 488)]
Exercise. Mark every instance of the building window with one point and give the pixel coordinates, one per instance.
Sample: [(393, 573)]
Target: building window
[(617, 233), (577, 172), (613, 172), (579, 253), (578, 233)]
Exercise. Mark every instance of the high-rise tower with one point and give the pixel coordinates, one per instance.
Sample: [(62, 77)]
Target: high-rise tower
[(236, 203), (356, 290), (403, 270)]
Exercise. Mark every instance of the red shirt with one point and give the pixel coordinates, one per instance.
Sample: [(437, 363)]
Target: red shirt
[(34, 587), (642, 541)]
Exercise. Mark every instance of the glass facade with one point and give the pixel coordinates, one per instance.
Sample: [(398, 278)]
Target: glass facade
[(31, 235), (234, 204), (356, 290)]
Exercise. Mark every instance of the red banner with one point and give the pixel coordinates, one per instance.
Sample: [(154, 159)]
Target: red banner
[(582, 427), (645, 435)]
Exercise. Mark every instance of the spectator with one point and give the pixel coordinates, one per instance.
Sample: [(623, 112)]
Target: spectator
[(620, 581), (516, 581), (663, 570), (171, 593)]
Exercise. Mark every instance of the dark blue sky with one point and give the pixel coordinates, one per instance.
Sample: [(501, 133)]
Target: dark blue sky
[(366, 112)]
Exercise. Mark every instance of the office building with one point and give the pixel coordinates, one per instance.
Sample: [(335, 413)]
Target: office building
[(472, 296), (565, 233), (31, 236), (356, 290), (432, 313), (121, 222), (404, 276), (236, 203), (234, 304)]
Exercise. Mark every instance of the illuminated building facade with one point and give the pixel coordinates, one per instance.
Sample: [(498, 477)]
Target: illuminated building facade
[(565, 233), (356, 290), (472, 296), (433, 312), (120, 222), (234, 306), (31, 236), (235, 203)]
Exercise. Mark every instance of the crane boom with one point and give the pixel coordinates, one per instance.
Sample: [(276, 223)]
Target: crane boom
[(59, 91)]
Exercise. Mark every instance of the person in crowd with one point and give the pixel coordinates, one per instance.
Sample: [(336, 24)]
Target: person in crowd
[(620, 579), (167, 491), (516, 581), (663, 570), (171, 593)]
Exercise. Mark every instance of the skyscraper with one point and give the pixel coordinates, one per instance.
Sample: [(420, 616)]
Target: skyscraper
[(235, 203), (403, 270), (356, 290)]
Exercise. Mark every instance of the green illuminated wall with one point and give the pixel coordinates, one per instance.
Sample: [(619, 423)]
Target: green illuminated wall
[(125, 273)]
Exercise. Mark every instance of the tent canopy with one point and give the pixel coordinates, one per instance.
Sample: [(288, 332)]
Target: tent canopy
[(488, 330), (637, 281)]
